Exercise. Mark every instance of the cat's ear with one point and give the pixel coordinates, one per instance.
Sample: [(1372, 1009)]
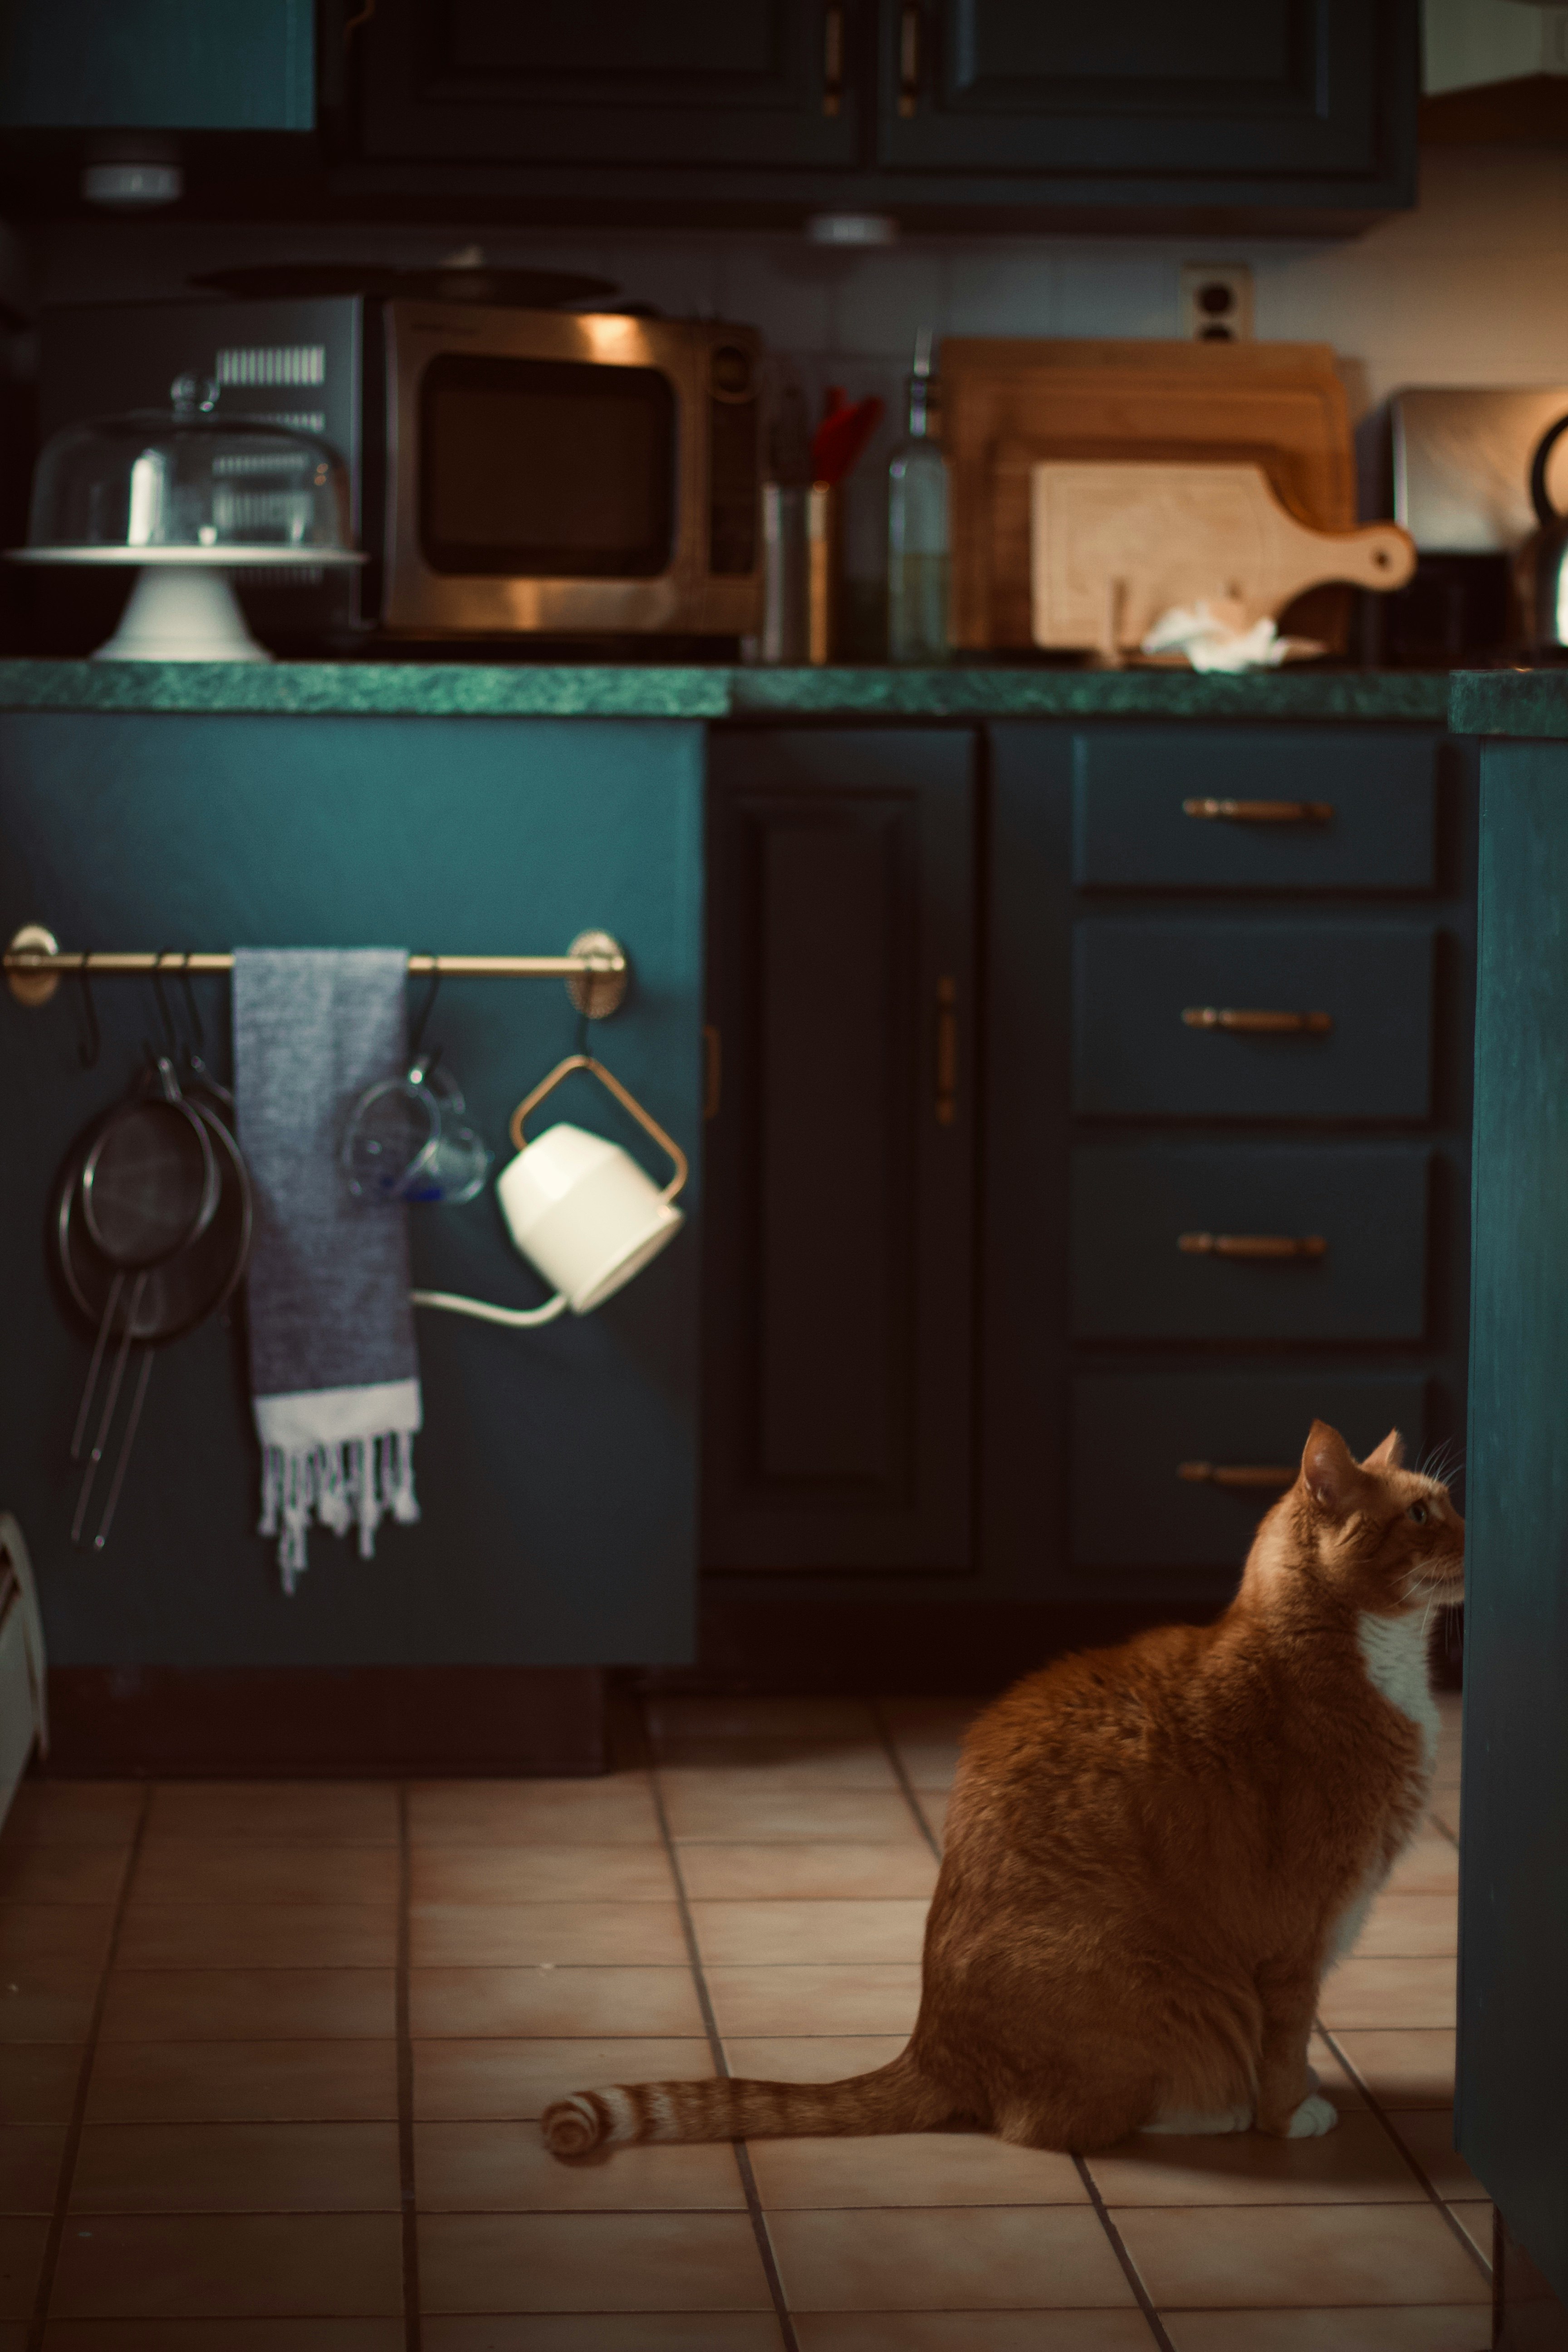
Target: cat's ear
[(1329, 1469), (1389, 1455)]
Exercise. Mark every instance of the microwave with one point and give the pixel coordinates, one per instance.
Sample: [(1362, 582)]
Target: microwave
[(512, 472)]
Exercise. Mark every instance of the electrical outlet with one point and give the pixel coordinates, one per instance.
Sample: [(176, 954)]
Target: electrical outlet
[(1217, 302)]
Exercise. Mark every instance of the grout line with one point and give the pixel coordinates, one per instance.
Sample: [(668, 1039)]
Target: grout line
[(1443, 1830), (67, 2181), (901, 1774), (1375, 2105), (1118, 2247), (413, 2318), (722, 2066)]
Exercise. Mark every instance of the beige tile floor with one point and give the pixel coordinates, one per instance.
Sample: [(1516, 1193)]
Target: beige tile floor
[(271, 2060)]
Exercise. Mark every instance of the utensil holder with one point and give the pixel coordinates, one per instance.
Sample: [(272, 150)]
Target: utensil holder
[(825, 550), (787, 594)]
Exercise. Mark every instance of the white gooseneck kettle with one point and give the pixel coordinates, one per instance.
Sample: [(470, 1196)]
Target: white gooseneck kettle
[(578, 1207)]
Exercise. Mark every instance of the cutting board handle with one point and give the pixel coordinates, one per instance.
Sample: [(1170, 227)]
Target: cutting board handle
[(1380, 555)]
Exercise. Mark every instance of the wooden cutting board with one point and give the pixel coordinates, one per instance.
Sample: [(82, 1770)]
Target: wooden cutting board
[(1116, 545), (1009, 403)]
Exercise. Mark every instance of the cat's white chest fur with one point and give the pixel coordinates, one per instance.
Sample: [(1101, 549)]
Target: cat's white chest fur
[(1394, 1650)]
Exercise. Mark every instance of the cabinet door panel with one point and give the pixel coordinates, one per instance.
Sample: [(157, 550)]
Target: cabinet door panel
[(1267, 89), (837, 1269), (1132, 827), (1136, 1055), (1132, 1507), (1132, 1211), (606, 81)]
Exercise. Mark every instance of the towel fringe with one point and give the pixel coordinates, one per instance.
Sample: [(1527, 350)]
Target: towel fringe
[(352, 1484)]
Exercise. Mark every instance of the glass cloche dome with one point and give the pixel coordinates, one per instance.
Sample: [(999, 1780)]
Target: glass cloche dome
[(188, 496)]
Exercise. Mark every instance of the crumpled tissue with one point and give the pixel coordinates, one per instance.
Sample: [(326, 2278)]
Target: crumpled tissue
[(1211, 640)]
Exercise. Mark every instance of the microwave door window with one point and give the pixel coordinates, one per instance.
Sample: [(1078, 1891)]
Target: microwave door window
[(544, 469)]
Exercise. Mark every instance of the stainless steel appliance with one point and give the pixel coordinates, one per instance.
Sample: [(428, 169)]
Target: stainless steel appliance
[(1460, 463), (511, 471)]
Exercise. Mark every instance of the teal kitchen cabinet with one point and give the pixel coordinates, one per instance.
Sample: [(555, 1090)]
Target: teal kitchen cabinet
[(613, 83), (1288, 115), (1255, 94), (557, 1469), (157, 64), (839, 1311), (1194, 1236), (1512, 2083), (1061, 1342)]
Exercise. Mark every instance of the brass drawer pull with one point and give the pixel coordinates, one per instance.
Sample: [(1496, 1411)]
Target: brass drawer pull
[(1215, 1016), (1252, 1245), (946, 1051), (1235, 1474), (908, 60), (833, 60), (1262, 811)]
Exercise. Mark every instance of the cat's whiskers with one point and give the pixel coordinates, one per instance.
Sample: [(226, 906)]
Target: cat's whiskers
[(1444, 1463), (1440, 1588)]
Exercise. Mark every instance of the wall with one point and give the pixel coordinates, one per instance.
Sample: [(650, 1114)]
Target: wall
[(1465, 289)]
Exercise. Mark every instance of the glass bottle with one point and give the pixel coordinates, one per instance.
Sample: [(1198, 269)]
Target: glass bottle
[(917, 525)]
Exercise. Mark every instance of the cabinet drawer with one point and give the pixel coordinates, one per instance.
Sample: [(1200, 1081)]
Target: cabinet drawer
[(1132, 1507), (1137, 986), (1237, 1242), (1166, 808)]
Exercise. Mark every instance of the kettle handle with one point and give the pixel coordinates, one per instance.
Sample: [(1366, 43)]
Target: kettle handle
[(1545, 512), (645, 1118)]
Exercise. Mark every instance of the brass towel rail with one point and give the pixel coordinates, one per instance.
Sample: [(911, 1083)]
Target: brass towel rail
[(596, 966)]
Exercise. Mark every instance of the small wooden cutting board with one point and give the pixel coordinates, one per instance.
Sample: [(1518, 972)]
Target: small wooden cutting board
[(1115, 545)]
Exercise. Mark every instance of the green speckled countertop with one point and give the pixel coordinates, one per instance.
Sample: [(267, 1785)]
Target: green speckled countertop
[(594, 690), (1509, 702)]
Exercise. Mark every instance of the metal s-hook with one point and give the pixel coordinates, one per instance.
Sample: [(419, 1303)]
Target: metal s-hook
[(417, 1033), (88, 1047), (185, 1051), (171, 1034)]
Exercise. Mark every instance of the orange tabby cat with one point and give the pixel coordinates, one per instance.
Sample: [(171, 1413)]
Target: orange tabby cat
[(1154, 1854)]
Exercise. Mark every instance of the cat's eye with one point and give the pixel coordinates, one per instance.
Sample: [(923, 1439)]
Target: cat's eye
[(1420, 1513)]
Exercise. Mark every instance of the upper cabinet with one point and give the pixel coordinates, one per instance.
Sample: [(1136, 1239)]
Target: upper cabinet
[(1289, 116), (156, 65), (1283, 114), (700, 82), (1263, 93)]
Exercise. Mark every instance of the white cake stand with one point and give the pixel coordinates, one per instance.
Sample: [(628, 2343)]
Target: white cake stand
[(183, 608)]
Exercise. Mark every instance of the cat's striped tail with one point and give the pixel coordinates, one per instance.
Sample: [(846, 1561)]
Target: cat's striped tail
[(895, 2098)]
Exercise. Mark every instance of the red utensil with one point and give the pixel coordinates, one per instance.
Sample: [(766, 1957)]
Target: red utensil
[(842, 436)]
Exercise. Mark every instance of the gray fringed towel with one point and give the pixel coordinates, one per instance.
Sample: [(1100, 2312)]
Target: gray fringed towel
[(333, 1371)]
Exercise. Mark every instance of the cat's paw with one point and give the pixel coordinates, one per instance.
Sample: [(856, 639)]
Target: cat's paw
[(1314, 2116), (1189, 2123)]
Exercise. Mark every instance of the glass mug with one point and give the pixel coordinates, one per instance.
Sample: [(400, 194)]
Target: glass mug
[(409, 1140)]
